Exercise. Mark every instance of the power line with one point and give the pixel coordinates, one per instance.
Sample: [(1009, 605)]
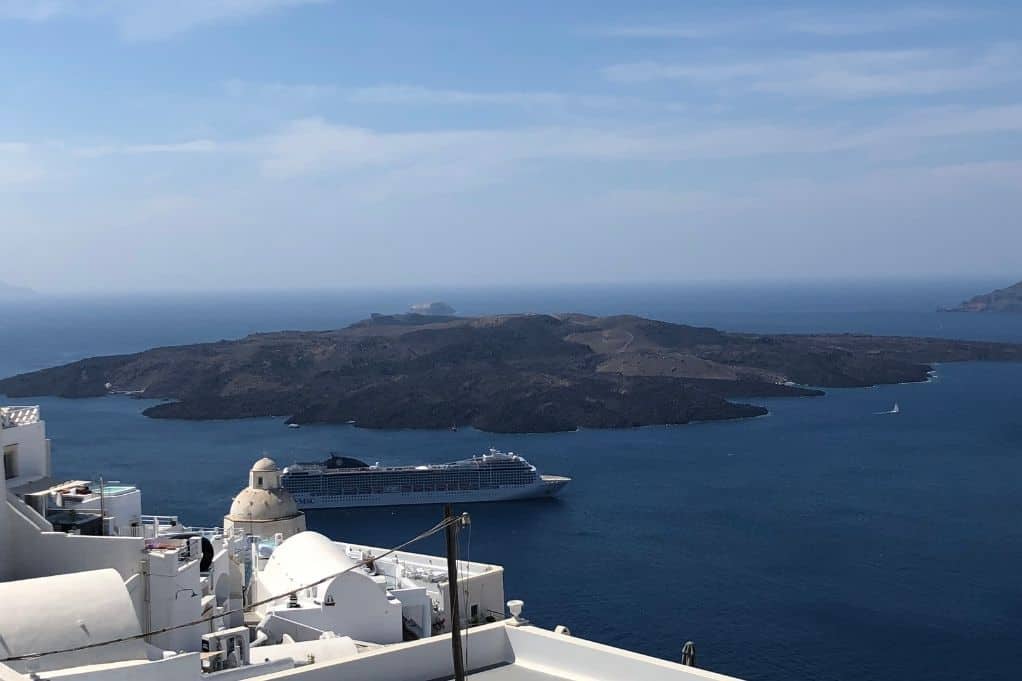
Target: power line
[(442, 525)]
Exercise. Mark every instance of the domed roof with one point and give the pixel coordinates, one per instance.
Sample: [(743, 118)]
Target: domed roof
[(263, 505), (264, 464), (302, 559)]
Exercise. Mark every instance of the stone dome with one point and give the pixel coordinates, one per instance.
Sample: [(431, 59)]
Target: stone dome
[(264, 464), (263, 505), (265, 508)]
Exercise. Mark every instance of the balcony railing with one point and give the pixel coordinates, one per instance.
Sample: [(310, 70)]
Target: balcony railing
[(12, 417), (152, 526)]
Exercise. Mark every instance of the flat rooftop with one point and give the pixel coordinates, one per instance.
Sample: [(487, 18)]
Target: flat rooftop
[(502, 651), (509, 672), (422, 569)]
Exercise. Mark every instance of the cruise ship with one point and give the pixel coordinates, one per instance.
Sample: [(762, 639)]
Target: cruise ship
[(344, 482)]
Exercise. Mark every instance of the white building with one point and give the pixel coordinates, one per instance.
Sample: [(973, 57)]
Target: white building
[(146, 598), (264, 508), (50, 528), (400, 596), (25, 446), (368, 611), (107, 508)]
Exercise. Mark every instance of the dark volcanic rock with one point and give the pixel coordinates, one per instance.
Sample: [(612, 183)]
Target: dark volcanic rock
[(1002, 300), (511, 373)]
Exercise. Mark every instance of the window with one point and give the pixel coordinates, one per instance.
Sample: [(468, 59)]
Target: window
[(259, 481), (10, 461)]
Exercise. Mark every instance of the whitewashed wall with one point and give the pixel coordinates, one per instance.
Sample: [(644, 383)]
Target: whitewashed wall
[(33, 451), (32, 553)]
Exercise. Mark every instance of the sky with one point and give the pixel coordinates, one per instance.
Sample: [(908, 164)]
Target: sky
[(265, 144)]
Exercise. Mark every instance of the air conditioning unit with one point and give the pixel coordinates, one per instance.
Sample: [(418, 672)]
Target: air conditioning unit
[(225, 649)]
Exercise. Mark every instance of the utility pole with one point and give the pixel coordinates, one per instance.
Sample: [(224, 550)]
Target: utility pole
[(102, 508), (451, 532)]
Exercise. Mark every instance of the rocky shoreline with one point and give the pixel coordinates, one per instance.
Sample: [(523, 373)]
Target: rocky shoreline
[(1002, 300)]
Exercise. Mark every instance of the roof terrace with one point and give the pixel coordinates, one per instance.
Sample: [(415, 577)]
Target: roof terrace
[(505, 651)]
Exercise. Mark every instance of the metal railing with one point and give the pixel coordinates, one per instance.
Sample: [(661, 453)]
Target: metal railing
[(11, 417), (152, 526)]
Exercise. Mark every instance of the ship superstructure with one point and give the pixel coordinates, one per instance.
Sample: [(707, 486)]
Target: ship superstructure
[(91, 589), (346, 482)]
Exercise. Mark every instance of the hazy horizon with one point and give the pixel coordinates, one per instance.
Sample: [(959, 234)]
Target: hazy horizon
[(209, 145), (427, 292)]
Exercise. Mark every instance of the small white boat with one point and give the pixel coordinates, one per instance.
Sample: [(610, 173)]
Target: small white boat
[(294, 425), (895, 409)]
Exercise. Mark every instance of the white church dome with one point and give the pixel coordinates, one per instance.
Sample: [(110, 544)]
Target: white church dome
[(263, 505), (304, 558), (264, 464), (264, 500)]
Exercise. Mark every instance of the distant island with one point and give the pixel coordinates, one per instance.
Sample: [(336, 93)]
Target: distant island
[(435, 308), (507, 373), (12, 291), (1002, 300)]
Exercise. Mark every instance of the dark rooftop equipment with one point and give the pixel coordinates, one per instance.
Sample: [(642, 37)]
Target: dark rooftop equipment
[(90, 524)]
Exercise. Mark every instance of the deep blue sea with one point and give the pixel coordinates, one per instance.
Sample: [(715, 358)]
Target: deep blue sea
[(823, 541)]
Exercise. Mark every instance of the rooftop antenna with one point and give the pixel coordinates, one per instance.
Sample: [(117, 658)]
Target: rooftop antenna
[(451, 533)]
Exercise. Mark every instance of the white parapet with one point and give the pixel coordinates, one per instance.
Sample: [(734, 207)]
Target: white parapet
[(498, 651)]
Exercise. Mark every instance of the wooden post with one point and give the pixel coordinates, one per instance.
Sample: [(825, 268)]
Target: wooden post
[(451, 532)]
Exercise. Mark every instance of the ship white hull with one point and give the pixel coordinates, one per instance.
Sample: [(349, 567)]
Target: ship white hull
[(548, 486)]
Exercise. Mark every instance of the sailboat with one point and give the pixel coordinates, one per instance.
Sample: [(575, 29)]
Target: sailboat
[(893, 410)]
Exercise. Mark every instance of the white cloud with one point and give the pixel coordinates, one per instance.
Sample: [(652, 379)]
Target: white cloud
[(315, 145), (461, 158), (312, 145), (202, 146), (147, 19), (304, 91), (844, 75), (805, 22), (419, 95), (406, 94), (942, 122), (882, 21), (373, 165)]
